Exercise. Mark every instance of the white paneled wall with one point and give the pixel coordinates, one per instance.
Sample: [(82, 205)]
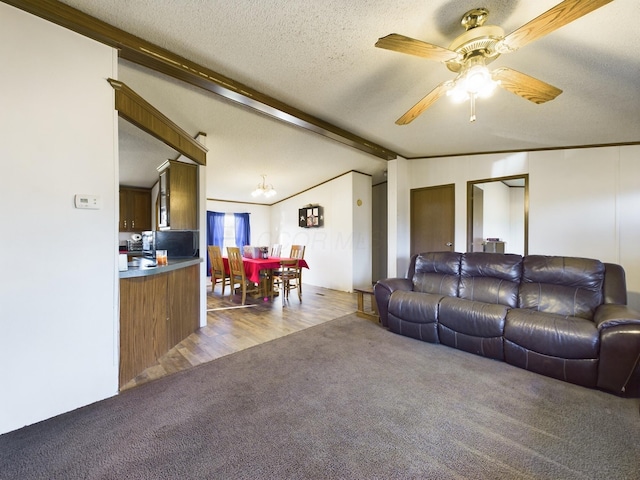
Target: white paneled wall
[(59, 300), (583, 202)]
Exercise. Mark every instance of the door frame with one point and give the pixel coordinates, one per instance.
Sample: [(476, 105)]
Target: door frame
[(470, 185)]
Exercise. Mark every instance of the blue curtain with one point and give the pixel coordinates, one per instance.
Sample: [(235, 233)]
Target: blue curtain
[(243, 230), (215, 233)]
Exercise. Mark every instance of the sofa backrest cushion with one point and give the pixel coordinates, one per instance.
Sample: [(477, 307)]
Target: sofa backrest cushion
[(437, 272), (562, 285), (491, 278)]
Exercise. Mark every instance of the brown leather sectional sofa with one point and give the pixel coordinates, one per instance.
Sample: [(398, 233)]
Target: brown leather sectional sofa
[(564, 317)]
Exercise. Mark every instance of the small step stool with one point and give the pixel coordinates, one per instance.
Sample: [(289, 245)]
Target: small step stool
[(371, 314)]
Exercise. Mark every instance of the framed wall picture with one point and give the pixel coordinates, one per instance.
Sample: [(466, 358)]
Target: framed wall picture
[(311, 216)]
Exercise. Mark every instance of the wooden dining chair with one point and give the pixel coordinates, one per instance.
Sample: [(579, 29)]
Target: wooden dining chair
[(276, 249), (296, 253), (218, 273), (237, 274), (289, 276)]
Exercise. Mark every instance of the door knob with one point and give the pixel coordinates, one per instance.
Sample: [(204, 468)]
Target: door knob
[(449, 244)]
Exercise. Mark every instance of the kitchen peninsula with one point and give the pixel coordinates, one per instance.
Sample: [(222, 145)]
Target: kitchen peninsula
[(159, 307)]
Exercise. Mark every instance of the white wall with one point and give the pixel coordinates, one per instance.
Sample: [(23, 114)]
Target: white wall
[(517, 206), (58, 302), (361, 208), (496, 211), (398, 186), (582, 202), (337, 251)]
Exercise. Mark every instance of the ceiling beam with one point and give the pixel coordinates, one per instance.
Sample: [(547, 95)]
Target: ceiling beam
[(144, 53), (135, 109)]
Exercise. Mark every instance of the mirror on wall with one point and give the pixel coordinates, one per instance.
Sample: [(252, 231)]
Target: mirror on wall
[(498, 215)]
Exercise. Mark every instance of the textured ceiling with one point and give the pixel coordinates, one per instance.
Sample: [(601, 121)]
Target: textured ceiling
[(320, 57)]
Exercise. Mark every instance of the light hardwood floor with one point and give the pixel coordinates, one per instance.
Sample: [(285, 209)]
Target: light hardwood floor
[(232, 327)]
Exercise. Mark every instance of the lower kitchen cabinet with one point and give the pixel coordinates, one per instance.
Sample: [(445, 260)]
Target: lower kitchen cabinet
[(156, 313)]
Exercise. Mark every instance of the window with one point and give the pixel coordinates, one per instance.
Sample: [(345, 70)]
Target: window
[(229, 232)]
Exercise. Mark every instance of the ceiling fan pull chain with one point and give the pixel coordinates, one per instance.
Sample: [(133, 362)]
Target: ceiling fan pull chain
[(472, 101)]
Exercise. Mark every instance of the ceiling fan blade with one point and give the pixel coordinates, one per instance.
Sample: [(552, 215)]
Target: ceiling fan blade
[(425, 103), (563, 13), (532, 89), (402, 44)]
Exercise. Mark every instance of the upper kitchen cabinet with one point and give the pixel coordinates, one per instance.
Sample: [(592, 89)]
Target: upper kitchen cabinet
[(135, 209), (178, 196)]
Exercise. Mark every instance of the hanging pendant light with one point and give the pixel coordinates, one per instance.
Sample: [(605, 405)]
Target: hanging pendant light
[(264, 189)]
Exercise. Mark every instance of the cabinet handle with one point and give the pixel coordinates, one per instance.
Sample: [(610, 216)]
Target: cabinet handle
[(125, 224), (133, 224)]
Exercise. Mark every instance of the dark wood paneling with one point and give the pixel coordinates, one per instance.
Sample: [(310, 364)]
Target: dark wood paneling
[(184, 302), (143, 323), (156, 313)]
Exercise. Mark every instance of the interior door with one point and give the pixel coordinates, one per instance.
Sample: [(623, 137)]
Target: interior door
[(432, 221)]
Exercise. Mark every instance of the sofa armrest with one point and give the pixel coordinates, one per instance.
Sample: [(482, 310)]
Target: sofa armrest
[(619, 362), (382, 291), (611, 315)]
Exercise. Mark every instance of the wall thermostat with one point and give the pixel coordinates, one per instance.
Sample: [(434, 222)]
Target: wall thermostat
[(90, 202)]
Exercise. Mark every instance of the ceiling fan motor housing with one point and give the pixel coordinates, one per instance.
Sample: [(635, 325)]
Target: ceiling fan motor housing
[(477, 41)]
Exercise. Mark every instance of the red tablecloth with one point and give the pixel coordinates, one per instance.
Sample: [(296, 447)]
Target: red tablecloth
[(252, 266)]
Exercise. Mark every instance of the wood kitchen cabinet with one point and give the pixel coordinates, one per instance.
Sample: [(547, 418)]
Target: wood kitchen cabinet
[(135, 209), (156, 313), (178, 196)]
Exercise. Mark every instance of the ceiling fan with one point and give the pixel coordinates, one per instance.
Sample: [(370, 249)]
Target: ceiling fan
[(469, 54)]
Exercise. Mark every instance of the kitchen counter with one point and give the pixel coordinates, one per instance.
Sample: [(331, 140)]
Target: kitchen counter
[(159, 307), (145, 268)]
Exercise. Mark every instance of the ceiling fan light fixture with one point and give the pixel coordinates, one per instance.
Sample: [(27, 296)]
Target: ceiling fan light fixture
[(263, 189)]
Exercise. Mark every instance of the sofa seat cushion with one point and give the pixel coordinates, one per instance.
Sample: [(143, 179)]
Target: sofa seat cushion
[(557, 346), (414, 314), (550, 334), (475, 327)]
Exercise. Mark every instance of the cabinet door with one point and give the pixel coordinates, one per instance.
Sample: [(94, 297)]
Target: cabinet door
[(143, 324), (184, 303), (135, 209), (124, 221), (140, 210), (183, 196)]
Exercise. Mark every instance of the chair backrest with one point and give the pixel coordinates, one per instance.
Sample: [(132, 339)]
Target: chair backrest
[(276, 249), (297, 251), (215, 257), (236, 267)]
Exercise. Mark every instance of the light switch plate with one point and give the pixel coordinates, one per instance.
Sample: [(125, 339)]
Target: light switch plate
[(89, 202)]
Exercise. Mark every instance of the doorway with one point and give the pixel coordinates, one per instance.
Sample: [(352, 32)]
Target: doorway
[(432, 219)]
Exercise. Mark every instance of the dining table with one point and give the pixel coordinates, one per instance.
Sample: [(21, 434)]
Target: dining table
[(254, 266)]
